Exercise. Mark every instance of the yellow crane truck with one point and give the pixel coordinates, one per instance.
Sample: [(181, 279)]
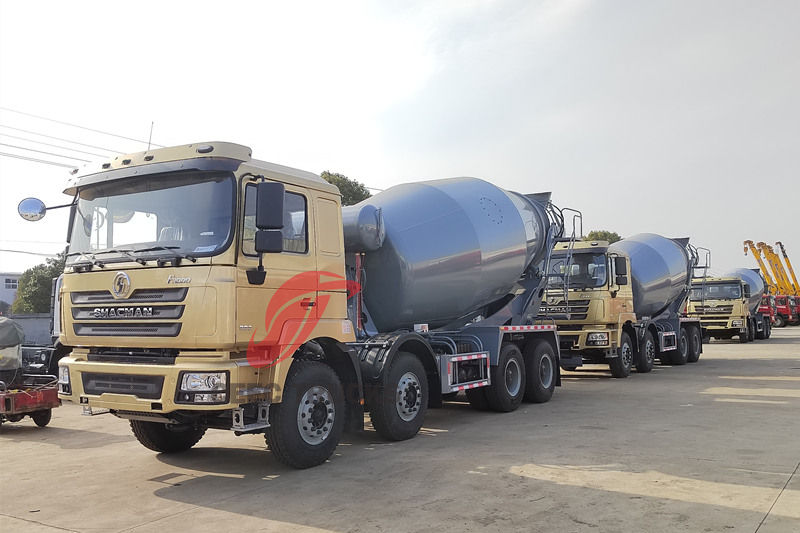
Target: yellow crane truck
[(204, 289)]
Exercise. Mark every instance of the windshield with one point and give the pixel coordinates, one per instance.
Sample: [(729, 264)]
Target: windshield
[(188, 214), (716, 291), (587, 270)]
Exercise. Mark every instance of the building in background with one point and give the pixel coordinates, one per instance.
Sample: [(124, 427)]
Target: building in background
[(8, 290)]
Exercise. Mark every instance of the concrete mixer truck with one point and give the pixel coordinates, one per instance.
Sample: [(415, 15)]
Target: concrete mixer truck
[(728, 305), (207, 289), (621, 304)]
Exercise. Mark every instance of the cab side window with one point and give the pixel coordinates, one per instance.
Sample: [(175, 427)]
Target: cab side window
[(295, 222)]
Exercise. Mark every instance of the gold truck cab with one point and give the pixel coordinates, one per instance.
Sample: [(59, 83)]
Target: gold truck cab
[(721, 305), (175, 256)]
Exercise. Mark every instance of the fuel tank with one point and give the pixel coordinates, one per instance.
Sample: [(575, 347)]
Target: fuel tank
[(438, 250), (756, 283), (661, 269)]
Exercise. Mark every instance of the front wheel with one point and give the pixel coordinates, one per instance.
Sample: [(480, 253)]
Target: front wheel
[(695, 346), (400, 405), (745, 337), (306, 426), (621, 365), (779, 321), (751, 330), (508, 380), (647, 354), (166, 438), (540, 371)]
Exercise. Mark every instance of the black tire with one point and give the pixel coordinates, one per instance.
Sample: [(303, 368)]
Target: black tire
[(751, 330), (42, 418), (166, 438), (312, 395), (761, 335), (767, 328), (477, 399), (647, 354), (779, 321), (540, 371), (621, 365), (745, 337), (507, 390), (680, 355), (400, 405), (695, 345)]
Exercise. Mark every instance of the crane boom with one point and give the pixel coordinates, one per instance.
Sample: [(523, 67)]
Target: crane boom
[(772, 287), (777, 268), (791, 270)]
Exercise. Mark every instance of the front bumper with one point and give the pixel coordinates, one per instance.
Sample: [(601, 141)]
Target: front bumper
[(151, 388), (575, 343)]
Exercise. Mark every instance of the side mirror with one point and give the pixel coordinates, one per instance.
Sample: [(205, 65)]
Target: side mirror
[(269, 241), (747, 291), (269, 205), (622, 280), (621, 268), (32, 209)]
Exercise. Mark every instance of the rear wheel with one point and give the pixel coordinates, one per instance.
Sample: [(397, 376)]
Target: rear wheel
[(751, 330), (508, 380), (767, 328), (306, 426), (402, 402), (647, 354), (695, 345), (42, 418), (166, 438), (621, 365), (779, 321), (540, 371), (680, 356)]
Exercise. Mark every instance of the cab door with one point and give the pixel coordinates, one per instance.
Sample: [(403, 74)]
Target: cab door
[(283, 305)]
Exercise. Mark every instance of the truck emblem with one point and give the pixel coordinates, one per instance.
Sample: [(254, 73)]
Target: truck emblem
[(121, 285)]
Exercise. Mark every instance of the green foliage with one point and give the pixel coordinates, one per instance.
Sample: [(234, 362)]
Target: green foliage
[(352, 191), (603, 235), (35, 284)]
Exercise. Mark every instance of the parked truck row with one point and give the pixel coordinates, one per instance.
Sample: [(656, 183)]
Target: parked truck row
[(207, 289)]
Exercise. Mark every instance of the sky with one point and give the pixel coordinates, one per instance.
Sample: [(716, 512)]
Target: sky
[(678, 118)]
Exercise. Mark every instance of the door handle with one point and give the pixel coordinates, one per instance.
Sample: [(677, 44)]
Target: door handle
[(307, 302)]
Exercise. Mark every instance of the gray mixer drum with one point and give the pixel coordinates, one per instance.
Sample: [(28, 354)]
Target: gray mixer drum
[(756, 283), (438, 250), (660, 271)]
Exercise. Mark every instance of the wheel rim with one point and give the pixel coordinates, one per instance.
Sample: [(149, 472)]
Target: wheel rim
[(513, 376), (409, 396), (626, 355), (546, 371), (649, 352), (315, 415), (684, 346)]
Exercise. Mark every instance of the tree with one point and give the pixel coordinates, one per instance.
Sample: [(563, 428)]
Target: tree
[(352, 190), (35, 285), (603, 235)]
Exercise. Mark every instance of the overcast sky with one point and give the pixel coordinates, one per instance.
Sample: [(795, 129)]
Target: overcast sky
[(680, 118)]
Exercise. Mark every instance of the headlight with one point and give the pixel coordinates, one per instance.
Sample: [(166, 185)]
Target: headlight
[(204, 381), (597, 339), (203, 387), (63, 375)]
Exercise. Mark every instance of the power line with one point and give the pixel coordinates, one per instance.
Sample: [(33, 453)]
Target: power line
[(76, 126), (43, 152), (60, 139), (36, 160), (53, 145)]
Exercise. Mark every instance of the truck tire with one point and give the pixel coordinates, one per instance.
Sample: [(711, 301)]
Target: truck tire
[(745, 337), (695, 346), (165, 438), (621, 365), (507, 390), (647, 354), (680, 355), (767, 328), (42, 418), (477, 399), (751, 330), (779, 321), (306, 426), (401, 404), (540, 371)]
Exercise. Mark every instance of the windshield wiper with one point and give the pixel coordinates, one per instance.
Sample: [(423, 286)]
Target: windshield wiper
[(84, 266), (176, 256), (126, 253)]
